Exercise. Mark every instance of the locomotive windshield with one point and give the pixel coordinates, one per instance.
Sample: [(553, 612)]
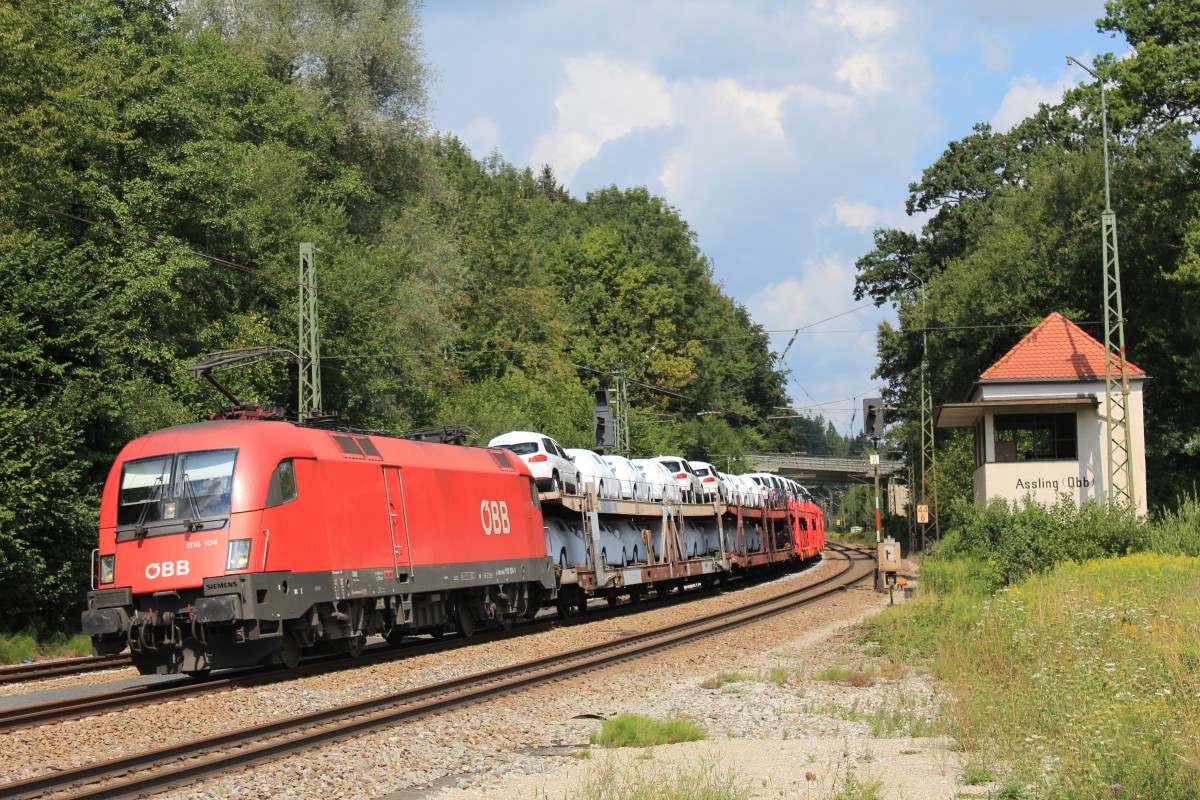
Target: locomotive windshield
[(177, 487)]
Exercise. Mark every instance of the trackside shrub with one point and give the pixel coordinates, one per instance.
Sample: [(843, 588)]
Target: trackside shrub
[(1177, 530), (632, 730), (1023, 540)]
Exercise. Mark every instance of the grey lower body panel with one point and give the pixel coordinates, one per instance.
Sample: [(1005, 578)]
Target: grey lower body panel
[(240, 620)]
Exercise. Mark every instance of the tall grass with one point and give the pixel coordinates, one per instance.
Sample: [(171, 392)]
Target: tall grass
[(1084, 682), (643, 781), (633, 730), (1087, 681), (27, 646)]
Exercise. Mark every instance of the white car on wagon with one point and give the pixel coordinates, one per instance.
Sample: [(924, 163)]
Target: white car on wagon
[(595, 472), (713, 487), (660, 483), (686, 477), (630, 479), (552, 468)]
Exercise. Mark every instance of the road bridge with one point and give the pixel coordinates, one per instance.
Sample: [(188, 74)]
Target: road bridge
[(823, 469)]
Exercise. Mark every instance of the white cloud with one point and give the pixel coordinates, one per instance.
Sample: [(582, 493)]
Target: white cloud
[(482, 135), (822, 376), (857, 214), (868, 19), (601, 101), (863, 216), (1024, 95), (803, 300), (727, 126), (864, 72)]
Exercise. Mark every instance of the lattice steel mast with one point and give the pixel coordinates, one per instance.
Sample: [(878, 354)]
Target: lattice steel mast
[(310, 353), (1116, 381)]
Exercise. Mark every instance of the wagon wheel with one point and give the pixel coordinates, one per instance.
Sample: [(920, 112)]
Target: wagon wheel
[(355, 644)]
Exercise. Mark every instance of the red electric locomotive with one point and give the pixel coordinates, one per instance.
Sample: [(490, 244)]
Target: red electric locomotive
[(808, 528), (237, 542)]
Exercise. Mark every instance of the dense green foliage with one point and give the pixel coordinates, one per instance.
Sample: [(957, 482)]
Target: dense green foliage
[(161, 162), (1015, 543), (1012, 235)]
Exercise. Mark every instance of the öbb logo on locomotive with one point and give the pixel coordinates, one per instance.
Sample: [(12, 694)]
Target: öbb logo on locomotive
[(494, 516), (167, 569), (243, 541)]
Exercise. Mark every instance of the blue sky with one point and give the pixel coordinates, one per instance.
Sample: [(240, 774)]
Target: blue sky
[(783, 132)]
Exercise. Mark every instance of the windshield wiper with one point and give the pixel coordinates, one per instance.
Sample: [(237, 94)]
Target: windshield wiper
[(139, 530), (189, 491)]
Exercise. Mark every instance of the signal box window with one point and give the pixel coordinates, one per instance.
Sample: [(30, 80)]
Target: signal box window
[(1036, 437)]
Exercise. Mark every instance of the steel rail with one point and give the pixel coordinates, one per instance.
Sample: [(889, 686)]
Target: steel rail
[(53, 669), (187, 762)]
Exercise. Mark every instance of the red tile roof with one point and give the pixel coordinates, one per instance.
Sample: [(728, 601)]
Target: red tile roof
[(1056, 349)]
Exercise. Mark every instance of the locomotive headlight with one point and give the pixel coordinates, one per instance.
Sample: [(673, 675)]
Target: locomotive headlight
[(239, 555), (108, 568)]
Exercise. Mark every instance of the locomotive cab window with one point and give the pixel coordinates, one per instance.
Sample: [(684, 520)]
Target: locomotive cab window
[(176, 487), (283, 485)]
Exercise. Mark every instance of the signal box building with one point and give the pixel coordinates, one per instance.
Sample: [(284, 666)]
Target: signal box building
[(1039, 420)]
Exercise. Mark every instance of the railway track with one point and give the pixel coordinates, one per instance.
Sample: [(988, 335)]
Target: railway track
[(178, 765), (40, 670), (134, 696)]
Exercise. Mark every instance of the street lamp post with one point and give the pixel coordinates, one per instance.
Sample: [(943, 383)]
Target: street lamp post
[(1116, 404)]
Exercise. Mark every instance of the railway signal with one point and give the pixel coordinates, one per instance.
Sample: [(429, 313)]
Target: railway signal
[(873, 417), (605, 431)]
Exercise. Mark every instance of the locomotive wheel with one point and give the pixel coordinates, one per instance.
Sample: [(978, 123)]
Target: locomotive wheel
[(290, 652), (395, 637), (611, 597), (197, 673), (466, 622), (562, 606)]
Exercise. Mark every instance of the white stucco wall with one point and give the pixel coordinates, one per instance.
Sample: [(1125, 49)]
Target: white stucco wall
[(1084, 478)]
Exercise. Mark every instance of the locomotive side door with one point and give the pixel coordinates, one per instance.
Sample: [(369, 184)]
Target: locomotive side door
[(393, 484)]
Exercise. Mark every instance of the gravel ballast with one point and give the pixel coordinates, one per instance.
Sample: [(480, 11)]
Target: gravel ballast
[(792, 737)]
